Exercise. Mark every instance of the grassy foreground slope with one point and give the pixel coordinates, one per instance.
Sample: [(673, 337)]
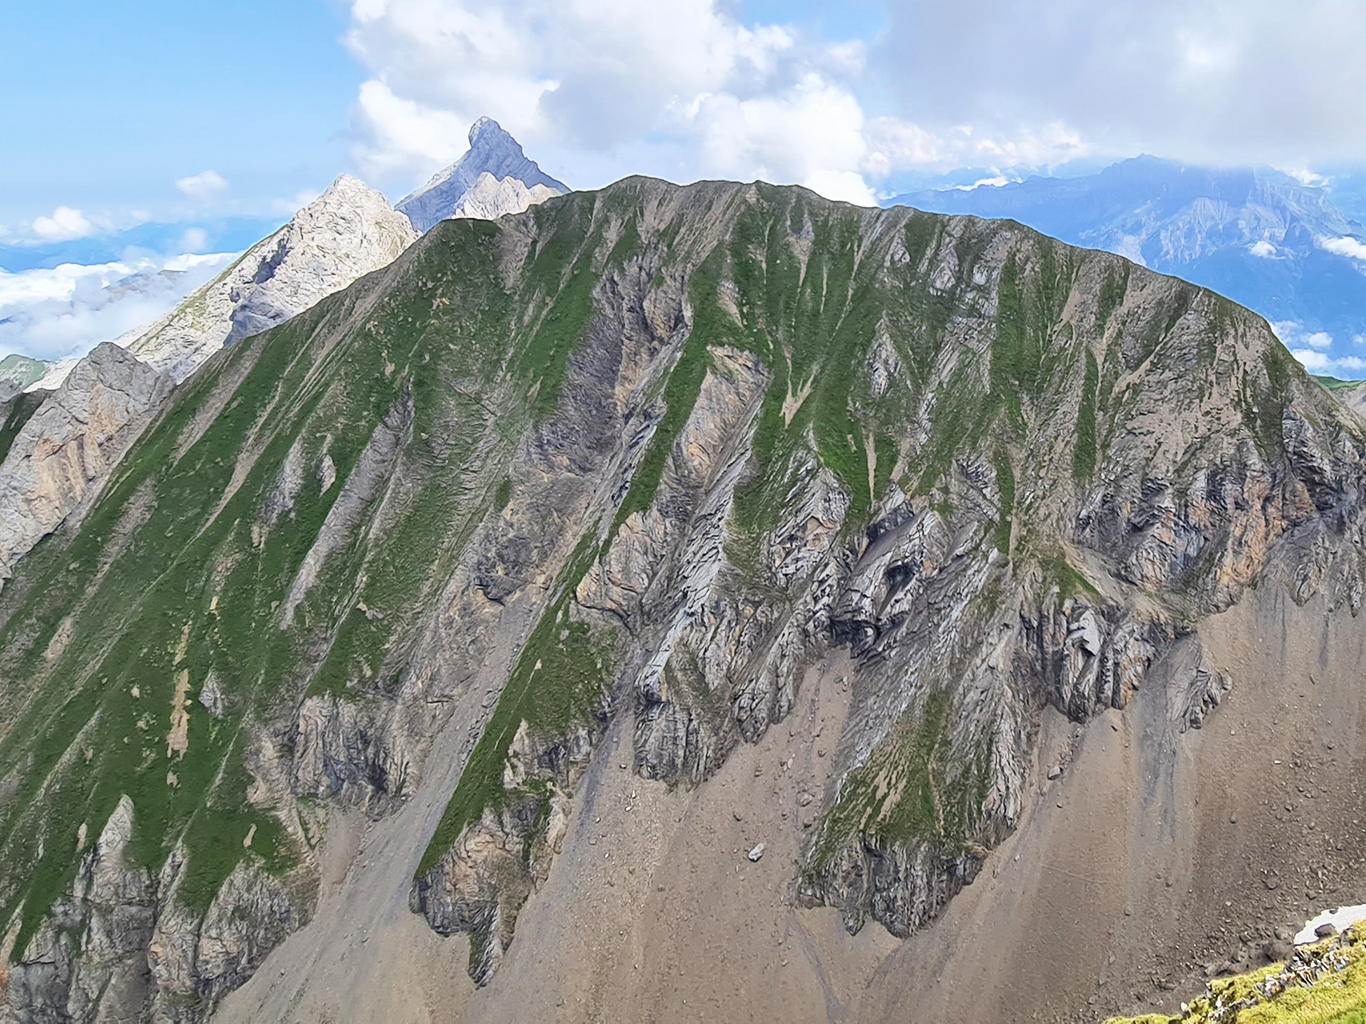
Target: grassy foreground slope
[(1321, 984)]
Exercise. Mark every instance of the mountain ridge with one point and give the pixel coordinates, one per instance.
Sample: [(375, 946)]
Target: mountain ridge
[(492, 153), (641, 477)]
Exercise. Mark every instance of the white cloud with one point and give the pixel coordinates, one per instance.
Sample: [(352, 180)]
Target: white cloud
[(405, 135), (1263, 249), (1349, 247), (1230, 82), (65, 224), (995, 181), (895, 144), (1346, 367), (202, 186), (1293, 334), (1047, 146), (684, 90), (194, 240), (66, 311), (1305, 176), (811, 134)]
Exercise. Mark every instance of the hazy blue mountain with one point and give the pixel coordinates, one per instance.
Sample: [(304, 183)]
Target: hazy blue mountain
[(1258, 236), (493, 177), (227, 234)]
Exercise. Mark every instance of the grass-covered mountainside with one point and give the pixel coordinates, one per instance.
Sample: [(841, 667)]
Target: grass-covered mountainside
[(644, 453), (1324, 983)]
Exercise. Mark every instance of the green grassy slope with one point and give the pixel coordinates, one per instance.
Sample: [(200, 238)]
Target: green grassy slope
[(1321, 984)]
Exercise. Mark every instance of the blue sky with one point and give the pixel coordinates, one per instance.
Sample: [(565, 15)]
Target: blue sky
[(138, 132), (116, 103), (121, 100)]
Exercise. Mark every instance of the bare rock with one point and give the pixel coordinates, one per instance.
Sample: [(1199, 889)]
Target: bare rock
[(63, 455), (348, 231)]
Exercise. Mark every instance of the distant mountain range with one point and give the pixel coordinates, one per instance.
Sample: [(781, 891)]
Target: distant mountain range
[(86, 411), (1258, 236)]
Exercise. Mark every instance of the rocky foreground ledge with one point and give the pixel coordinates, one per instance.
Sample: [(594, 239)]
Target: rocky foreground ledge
[(1322, 983)]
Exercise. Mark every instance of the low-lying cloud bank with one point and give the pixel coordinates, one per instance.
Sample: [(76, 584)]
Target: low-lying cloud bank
[(69, 309)]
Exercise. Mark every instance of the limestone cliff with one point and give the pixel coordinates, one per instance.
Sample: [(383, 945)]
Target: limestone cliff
[(61, 456), (348, 231), (632, 468)]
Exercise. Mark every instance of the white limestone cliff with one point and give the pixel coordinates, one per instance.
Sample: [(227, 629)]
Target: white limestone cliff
[(347, 232), (62, 456)]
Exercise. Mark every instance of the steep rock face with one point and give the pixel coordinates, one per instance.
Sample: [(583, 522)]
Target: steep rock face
[(347, 232), (61, 456), (490, 198), (492, 179), (634, 460)]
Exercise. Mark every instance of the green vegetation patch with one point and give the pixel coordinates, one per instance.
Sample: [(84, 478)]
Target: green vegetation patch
[(25, 405), (914, 788), (1005, 483), (1333, 384), (176, 578), (1324, 984), (559, 679), (1084, 454)]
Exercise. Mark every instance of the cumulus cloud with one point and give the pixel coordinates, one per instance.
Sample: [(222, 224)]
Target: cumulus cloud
[(1221, 81), (1305, 177), (811, 134), (202, 186), (1315, 361), (1349, 247), (1294, 335), (685, 91), (1263, 249), (65, 224), (68, 310)]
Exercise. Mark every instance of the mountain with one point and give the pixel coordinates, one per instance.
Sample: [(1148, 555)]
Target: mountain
[(348, 231), (709, 600), (493, 178), (21, 370), (1257, 236), (60, 452)]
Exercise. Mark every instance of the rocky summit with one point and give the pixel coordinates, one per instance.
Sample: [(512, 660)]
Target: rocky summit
[(348, 231), (707, 601), (494, 177)]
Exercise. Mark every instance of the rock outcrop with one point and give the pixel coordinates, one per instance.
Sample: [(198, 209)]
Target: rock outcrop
[(493, 178), (347, 232), (61, 457)]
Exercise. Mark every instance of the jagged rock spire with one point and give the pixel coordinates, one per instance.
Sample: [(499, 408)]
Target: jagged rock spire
[(478, 183)]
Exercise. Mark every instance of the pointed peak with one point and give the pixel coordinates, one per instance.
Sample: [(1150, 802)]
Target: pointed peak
[(347, 186), (492, 151), (488, 128)]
